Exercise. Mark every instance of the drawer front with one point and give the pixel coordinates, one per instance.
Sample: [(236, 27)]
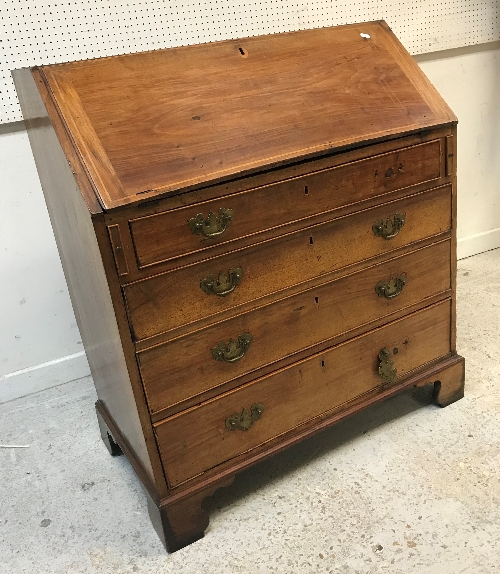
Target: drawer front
[(167, 235), (176, 298), (185, 367), (199, 439)]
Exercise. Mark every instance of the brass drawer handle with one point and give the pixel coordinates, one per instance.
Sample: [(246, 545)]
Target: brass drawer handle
[(246, 419), (386, 368), (390, 227), (392, 288), (214, 225), (234, 350), (224, 284)]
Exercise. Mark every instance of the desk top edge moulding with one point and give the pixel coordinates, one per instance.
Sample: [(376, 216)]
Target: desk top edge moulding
[(206, 197)]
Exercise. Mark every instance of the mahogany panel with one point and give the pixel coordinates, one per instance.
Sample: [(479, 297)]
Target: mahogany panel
[(184, 367), (77, 235), (275, 265), (156, 122), (199, 439), (167, 235), (267, 177)]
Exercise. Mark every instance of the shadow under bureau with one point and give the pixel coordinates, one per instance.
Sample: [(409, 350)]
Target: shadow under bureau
[(258, 236)]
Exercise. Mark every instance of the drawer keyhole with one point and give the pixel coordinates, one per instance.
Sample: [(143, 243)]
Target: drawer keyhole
[(316, 300), (306, 190), (322, 364), (311, 241)]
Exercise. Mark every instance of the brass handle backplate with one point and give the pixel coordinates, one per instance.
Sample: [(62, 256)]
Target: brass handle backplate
[(224, 284), (232, 351), (214, 225), (246, 419), (390, 227), (386, 367), (392, 288)]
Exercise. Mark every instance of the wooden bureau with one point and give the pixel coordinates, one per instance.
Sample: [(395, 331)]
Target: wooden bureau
[(259, 240)]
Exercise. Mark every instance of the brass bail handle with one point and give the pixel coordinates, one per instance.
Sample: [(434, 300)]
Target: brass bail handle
[(392, 288), (246, 419), (233, 351), (224, 284), (390, 227), (214, 225)]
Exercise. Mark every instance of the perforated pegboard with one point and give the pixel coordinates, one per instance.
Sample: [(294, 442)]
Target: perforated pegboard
[(44, 32)]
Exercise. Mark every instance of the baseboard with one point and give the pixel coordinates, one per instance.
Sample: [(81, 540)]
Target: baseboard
[(40, 377), (478, 243)]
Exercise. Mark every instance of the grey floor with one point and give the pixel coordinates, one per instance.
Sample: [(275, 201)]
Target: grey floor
[(403, 487)]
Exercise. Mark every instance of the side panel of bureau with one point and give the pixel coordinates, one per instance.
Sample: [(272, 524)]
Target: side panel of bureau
[(87, 283)]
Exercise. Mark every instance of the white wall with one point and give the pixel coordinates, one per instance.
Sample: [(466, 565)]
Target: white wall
[(39, 341), (469, 80)]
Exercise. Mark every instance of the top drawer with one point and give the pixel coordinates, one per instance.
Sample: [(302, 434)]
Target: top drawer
[(171, 234)]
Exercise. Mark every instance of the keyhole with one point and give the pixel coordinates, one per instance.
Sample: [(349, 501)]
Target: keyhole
[(316, 300), (311, 241), (306, 190), (322, 364)]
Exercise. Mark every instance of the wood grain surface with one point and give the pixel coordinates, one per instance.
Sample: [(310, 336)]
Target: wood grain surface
[(267, 177), (197, 439), (166, 236), (162, 121), (276, 265), (185, 367)]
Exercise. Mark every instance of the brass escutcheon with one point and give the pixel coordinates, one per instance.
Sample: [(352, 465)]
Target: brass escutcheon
[(232, 351), (390, 227), (386, 367), (214, 225), (224, 284), (246, 419), (392, 288)]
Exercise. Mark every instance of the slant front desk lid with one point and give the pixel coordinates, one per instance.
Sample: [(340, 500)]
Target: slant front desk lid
[(154, 123)]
